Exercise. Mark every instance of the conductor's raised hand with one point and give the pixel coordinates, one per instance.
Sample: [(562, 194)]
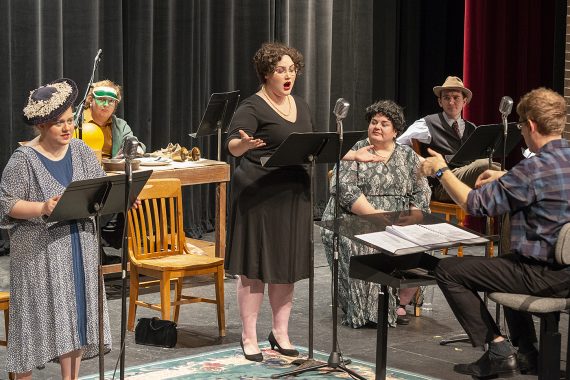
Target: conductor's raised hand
[(249, 142), (488, 176), (432, 164)]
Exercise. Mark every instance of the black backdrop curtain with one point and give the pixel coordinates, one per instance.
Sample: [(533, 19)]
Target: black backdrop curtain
[(170, 55)]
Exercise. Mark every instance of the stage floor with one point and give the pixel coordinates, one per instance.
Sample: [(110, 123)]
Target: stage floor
[(413, 348)]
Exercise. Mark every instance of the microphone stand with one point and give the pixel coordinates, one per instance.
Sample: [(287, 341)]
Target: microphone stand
[(78, 119), (129, 152), (505, 131)]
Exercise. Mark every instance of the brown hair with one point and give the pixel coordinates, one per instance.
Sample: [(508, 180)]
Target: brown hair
[(546, 108), (270, 53)]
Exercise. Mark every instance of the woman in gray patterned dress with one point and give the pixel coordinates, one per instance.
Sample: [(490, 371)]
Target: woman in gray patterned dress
[(390, 184), (53, 266)]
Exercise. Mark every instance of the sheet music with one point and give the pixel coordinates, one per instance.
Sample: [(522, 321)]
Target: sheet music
[(454, 234), (390, 242), (419, 237)]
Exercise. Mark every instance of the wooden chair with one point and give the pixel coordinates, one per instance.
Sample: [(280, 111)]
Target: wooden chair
[(5, 306), (450, 210), (157, 249)]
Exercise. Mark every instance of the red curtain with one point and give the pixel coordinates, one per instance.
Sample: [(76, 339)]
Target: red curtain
[(508, 50)]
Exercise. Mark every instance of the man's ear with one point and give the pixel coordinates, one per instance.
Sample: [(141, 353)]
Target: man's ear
[(532, 127)]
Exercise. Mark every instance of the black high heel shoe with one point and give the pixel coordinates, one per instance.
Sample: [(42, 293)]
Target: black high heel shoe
[(253, 357), (283, 351)]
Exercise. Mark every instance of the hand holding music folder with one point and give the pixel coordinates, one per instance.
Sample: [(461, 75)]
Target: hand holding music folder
[(79, 198)]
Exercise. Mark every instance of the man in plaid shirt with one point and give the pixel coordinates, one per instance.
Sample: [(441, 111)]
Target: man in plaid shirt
[(536, 194)]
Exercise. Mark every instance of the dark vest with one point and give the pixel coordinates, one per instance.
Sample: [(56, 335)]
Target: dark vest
[(443, 137)]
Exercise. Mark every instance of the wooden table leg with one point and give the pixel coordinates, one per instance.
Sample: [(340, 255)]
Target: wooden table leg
[(220, 219)]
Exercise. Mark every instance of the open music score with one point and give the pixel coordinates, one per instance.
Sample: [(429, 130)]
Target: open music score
[(415, 238)]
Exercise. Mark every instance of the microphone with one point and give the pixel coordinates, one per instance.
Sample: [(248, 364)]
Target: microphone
[(506, 106), (341, 109), (98, 56), (130, 145)]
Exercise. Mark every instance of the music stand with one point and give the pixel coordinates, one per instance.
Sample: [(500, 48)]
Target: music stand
[(487, 141), (312, 148), (96, 197), (217, 116)]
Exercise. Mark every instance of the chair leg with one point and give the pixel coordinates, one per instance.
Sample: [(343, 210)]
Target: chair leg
[(549, 350), (165, 295), (6, 323), (178, 292), (568, 351), (133, 297), (417, 309), (220, 304)]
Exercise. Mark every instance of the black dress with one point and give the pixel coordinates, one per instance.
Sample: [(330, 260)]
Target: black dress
[(269, 226)]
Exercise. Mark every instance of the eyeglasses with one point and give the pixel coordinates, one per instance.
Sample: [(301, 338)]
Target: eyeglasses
[(69, 122), (102, 102), (521, 123), (282, 70)]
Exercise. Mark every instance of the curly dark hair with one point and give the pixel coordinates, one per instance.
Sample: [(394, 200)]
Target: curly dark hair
[(270, 53), (389, 109)]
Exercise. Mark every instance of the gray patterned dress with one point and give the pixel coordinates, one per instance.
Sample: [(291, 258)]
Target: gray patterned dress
[(390, 186), (43, 314)]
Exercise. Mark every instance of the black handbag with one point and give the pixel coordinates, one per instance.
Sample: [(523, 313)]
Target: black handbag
[(156, 332)]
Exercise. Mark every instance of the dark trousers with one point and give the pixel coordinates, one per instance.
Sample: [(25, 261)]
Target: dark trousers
[(460, 278)]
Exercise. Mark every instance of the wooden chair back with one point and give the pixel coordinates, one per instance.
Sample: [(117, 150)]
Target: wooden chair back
[(156, 229)]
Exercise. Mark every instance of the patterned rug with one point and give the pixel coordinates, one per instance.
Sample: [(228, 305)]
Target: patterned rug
[(229, 363)]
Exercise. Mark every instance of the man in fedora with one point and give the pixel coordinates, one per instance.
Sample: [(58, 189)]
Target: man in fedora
[(445, 132)]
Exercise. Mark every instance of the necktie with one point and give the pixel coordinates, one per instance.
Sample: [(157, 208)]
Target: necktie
[(455, 127)]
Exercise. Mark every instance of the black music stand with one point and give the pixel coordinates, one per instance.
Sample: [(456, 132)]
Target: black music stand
[(487, 141), (218, 116), (96, 197), (312, 148)]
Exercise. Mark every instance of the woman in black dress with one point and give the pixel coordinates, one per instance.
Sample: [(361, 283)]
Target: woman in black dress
[(269, 228)]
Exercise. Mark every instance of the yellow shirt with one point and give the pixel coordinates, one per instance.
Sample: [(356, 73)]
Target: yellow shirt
[(106, 129)]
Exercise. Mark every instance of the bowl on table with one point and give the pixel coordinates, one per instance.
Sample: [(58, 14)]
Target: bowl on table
[(118, 164)]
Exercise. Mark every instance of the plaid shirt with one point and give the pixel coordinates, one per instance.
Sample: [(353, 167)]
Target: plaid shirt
[(536, 192)]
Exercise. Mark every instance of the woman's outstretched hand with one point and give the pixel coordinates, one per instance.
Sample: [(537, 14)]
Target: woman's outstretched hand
[(249, 142)]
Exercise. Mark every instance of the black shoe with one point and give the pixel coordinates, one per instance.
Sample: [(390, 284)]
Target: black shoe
[(528, 362), (402, 320), (282, 351), (487, 367), (253, 357)]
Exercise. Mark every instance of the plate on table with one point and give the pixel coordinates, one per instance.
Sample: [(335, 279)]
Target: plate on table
[(155, 161)]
